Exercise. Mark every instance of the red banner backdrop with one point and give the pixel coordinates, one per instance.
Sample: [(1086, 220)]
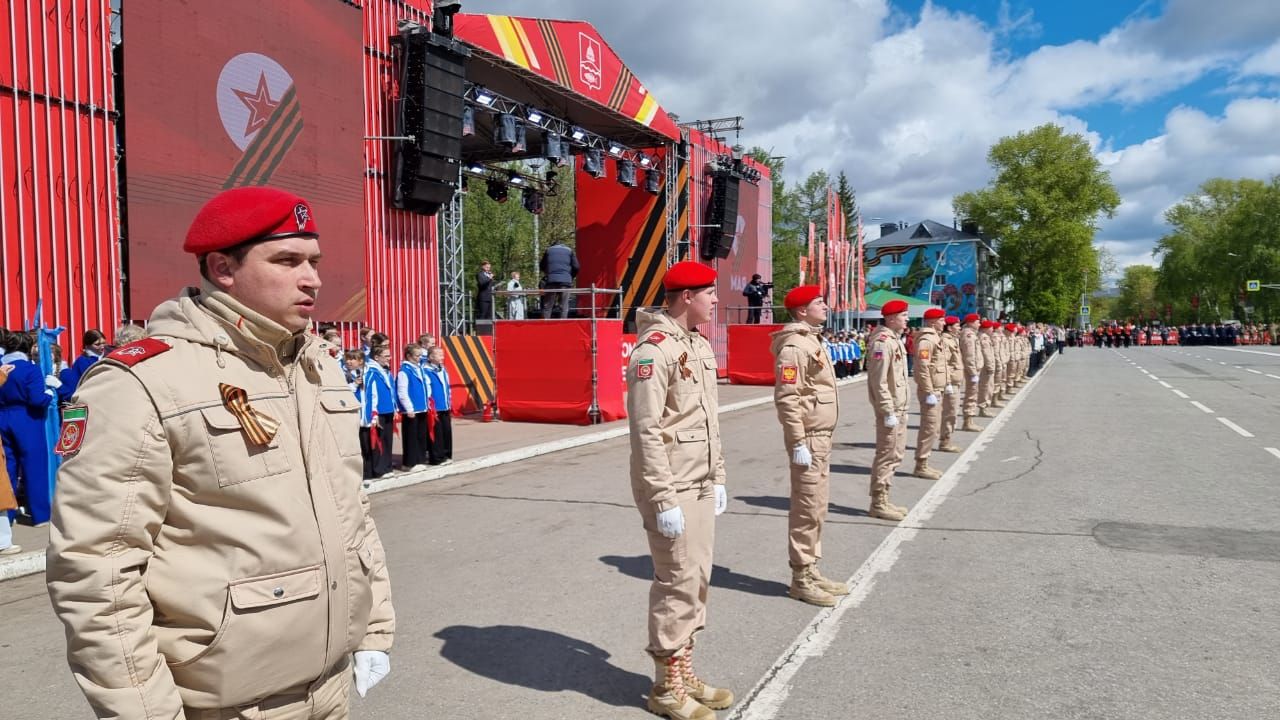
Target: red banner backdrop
[(239, 93), (750, 362), (544, 370)]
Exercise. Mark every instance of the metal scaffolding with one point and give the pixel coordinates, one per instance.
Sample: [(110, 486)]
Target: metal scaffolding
[(453, 296), (672, 203)]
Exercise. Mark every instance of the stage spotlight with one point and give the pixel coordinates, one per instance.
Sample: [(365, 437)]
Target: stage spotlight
[(577, 134), (515, 178), (468, 121), (476, 168), (615, 149), (484, 97), (504, 131), (521, 141), (645, 160), (534, 115), (553, 148), (497, 191), (533, 201), (626, 173), (593, 163), (653, 181)]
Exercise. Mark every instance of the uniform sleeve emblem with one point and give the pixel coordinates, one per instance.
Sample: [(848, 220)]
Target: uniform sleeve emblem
[(879, 351), (924, 353), (644, 369), (789, 374), (75, 421), (136, 352), (655, 337)]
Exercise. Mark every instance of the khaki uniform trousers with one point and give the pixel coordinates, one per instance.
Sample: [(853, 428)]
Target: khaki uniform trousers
[(930, 425), (681, 570), (328, 698), (891, 447), (949, 402), (986, 386), (972, 395), (810, 492)]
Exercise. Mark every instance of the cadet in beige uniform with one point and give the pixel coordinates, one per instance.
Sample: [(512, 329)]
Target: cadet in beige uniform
[(677, 480), (804, 392), (955, 381), (212, 553), (987, 381), (1000, 341), (972, 362), (931, 381), (886, 363)]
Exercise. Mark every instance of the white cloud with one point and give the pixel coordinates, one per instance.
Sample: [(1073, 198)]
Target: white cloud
[(908, 106)]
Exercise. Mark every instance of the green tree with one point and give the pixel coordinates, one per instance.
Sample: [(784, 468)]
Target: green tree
[(1138, 294), (849, 202), (788, 243), (1043, 206)]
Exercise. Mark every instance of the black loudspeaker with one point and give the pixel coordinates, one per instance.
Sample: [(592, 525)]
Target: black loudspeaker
[(432, 83), (722, 217)]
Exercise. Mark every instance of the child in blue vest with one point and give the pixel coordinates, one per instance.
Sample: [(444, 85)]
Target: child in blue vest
[(379, 412), (24, 403), (441, 452), (414, 392)]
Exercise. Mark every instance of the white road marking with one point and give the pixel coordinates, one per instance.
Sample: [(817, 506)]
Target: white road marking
[(1166, 384), (1274, 377), (765, 701), (1255, 372), (1239, 430), (1273, 451), (1180, 394), (1011, 459), (1153, 377), (1202, 407), (1221, 363), (1253, 352), (1237, 367)]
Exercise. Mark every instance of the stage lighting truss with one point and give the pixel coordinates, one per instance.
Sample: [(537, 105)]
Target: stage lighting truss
[(512, 177), (626, 172), (733, 164)]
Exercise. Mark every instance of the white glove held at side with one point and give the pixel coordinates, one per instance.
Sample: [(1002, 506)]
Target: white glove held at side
[(370, 667), (973, 378), (891, 421), (52, 381), (930, 399), (671, 522), (800, 455), (951, 389), (722, 499)]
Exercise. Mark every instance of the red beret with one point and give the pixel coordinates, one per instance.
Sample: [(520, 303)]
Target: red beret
[(952, 319), (988, 324), (1010, 327), (934, 313), (971, 317), (893, 307), (688, 275), (802, 296), (249, 213)]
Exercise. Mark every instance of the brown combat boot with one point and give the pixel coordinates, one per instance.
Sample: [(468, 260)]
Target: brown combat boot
[(668, 697), (924, 471), (832, 586), (969, 425), (880, 507), (712, 697), (982, 412), (805, 589), (947, 446), (995, 401)]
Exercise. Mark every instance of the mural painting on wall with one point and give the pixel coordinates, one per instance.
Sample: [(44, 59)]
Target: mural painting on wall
[(912, 270)]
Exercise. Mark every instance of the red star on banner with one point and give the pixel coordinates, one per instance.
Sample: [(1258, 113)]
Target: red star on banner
[(259, 103)]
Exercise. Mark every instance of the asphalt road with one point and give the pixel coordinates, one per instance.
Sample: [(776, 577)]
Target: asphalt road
[(1106, 549)]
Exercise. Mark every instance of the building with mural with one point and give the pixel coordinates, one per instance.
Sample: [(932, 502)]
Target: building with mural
[(948, 267)]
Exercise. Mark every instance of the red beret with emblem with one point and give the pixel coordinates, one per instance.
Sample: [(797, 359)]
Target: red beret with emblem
[(971, 317), (1010, 327), (249, 213), (934, 313), (952, 319), (688, 275), (988, 324), (893, 307), (802, 296)]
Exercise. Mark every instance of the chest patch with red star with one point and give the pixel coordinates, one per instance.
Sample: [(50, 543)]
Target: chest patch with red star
[(75, 422)]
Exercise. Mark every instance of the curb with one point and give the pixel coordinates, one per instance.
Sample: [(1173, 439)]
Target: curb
[(30, 563)]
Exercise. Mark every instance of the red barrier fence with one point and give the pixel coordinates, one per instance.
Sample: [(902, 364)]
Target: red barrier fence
[(750, 362), (543, 370)]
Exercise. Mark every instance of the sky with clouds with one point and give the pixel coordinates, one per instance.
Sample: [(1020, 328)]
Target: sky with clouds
[(907, 96)]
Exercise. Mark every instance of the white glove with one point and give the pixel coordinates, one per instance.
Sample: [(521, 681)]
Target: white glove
[(370, 667), (671, 522), (891, 421), (930, 399), (722, 499), (951, 389), (52, 381), (800, 455), (973, 378)]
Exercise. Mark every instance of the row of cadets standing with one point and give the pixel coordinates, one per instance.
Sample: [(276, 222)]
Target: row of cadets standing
[(955, 381), (973, 364)]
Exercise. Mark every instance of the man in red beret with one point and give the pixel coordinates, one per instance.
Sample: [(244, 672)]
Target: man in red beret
[(987, 379), (804, 393), (971, 360), (931, 380), (212, 553), (677, 481), (886, 363), (955, 381)]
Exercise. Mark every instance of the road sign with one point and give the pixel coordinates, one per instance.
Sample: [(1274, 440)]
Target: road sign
[(1253, 285), (1084, 309)]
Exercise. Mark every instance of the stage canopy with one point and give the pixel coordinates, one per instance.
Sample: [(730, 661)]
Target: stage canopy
[(563, 68)]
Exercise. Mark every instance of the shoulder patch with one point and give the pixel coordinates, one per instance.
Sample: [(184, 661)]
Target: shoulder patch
[(75, 421), (655, 337), (789, 374), (136, 352)]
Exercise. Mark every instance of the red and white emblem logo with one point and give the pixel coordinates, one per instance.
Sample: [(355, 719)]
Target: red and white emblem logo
[(250, 88), (301, 213), (133, 351), (589, 61), (75, 421)]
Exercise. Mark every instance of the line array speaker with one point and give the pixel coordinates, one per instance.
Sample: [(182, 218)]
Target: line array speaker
[(722, 216), (432, 86)]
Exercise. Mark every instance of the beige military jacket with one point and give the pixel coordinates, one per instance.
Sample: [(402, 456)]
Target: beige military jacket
[(672, 411), (804, 384), (886, 363), (987, 344), (1002, 348), (191, 566), (955, 367), (971, 351), (930, 355)]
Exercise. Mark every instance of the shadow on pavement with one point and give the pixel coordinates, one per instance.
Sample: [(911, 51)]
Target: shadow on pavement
[(641, 567), (784, 504), (862, 445), (542, 660), (850, 469)]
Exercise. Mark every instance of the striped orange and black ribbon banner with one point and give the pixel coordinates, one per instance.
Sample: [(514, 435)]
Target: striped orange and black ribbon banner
[(620, 89), (270, 145), (642, 278), (258, 427), (548, 32), (474, 362)]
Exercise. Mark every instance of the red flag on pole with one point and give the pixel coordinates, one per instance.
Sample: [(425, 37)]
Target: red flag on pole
[(861, 290)]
